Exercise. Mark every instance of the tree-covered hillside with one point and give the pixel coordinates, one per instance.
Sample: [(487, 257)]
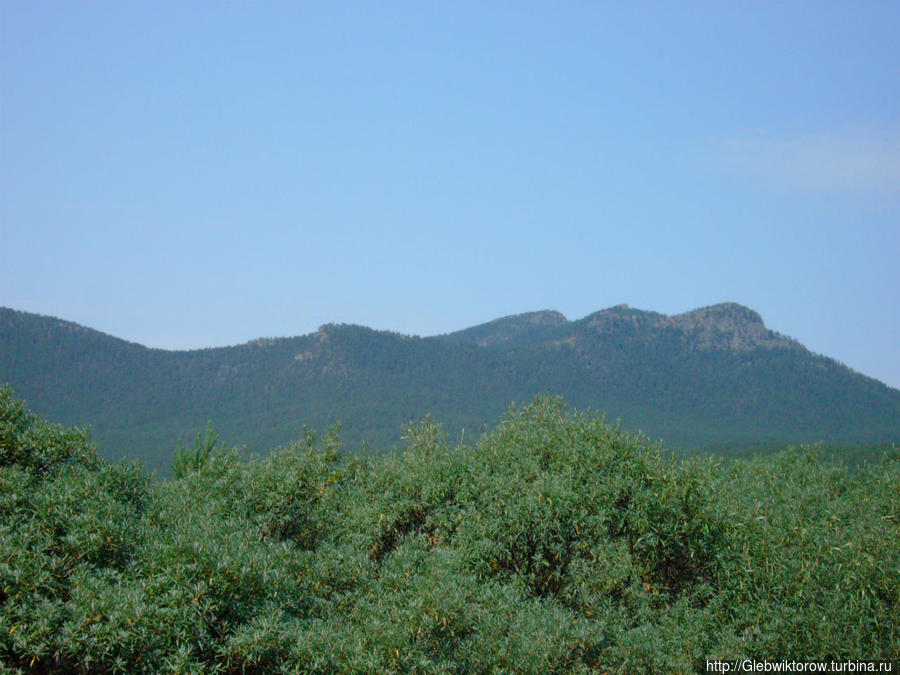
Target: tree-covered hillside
[(554, 544), (715, 377)]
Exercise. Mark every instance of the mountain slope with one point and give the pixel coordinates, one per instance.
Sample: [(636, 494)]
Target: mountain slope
[(712, 376)]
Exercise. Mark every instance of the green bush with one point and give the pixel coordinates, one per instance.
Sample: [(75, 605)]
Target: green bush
[(556, 544)]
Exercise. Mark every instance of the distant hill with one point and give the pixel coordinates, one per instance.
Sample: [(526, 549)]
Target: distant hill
[(708, 378)]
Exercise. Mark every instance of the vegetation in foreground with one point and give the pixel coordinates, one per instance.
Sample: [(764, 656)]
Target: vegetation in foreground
[(554, 544)]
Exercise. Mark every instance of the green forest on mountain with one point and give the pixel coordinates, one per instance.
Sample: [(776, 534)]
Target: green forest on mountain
[(712, 380), (553, 543)]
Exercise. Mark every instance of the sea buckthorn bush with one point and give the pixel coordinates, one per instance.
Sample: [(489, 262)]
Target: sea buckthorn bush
[(555, 543)]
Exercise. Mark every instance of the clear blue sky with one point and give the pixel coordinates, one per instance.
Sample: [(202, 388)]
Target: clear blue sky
[(200, 174)]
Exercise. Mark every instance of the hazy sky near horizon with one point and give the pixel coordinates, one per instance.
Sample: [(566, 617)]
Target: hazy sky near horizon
[(201, 174)]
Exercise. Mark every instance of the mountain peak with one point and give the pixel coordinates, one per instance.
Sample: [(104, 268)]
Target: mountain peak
[(544, 317), (729, 326), (510, 328), (730, 313), (619, 316)]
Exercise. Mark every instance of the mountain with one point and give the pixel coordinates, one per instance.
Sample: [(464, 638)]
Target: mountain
[(708, 378)]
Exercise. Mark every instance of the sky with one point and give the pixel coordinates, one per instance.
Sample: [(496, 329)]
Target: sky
[(198, 174)]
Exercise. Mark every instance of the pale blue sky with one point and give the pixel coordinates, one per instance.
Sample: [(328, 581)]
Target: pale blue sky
[(200, 174)]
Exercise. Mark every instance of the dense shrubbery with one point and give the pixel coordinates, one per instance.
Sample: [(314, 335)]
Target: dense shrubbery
[(555, 544)]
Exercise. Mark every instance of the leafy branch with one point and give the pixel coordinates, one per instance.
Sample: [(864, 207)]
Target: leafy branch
[(187, 461)]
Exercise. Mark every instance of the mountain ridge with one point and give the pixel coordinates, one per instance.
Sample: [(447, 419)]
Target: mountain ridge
[(708, 377), (724, 313), (714, 326)]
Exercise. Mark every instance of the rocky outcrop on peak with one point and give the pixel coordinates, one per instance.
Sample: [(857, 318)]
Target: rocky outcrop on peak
[(729, 327)]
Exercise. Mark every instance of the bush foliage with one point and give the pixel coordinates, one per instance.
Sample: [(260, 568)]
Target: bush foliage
[(556, 543)]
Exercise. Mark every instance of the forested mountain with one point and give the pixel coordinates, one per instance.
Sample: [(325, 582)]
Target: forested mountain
[(708, 378)]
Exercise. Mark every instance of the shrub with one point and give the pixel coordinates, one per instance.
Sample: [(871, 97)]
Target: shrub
[(556, 544)]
